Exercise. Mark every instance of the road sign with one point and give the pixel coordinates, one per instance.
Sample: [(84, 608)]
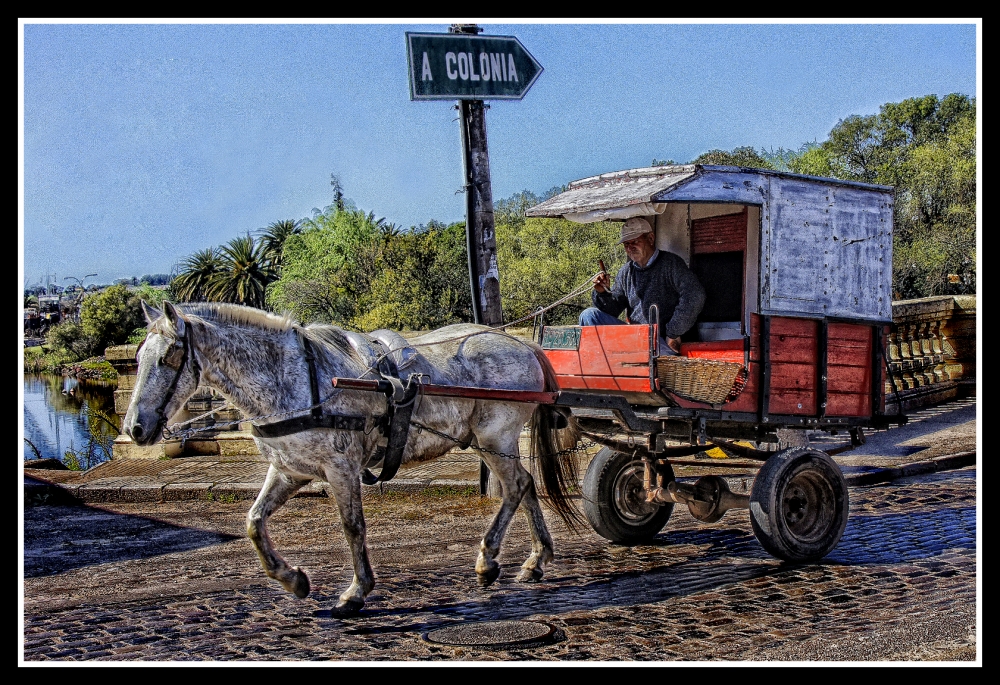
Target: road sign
[(456, 66)]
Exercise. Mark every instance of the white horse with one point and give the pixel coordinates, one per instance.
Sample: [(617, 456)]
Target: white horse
[(260, 363)]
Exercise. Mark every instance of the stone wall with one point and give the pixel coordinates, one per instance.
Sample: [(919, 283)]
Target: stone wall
[(220, 433), (932, 351)]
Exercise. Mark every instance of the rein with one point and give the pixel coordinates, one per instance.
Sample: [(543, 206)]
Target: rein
[(178, 349)]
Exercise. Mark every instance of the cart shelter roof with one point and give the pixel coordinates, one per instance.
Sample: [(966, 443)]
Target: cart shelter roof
[(619, 195)]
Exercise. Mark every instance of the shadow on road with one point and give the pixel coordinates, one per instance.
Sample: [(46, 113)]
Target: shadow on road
[(63, 538), (732, 556)]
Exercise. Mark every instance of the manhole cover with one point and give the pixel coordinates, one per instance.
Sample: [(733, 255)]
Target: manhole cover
[(492, 634)]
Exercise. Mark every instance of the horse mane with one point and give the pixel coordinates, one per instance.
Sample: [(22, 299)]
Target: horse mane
[(240, 315)]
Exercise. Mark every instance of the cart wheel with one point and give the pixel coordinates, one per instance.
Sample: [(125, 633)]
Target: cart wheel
[(614, 499), (799, 504)]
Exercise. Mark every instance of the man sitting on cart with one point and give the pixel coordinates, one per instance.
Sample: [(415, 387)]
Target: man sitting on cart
[(650, 276)]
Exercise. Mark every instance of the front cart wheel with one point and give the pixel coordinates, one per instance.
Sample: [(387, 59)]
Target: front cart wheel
[(614, 499), (799, 504)]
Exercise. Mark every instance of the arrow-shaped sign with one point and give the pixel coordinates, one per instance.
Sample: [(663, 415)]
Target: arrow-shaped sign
[(455, 66)]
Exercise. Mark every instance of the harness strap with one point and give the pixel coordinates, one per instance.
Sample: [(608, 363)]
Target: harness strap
[(304, 423), (316, 418), (317, 411), (185, 345), (398, 430)]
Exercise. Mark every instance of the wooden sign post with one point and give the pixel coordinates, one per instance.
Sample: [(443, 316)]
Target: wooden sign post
[(471, 68)]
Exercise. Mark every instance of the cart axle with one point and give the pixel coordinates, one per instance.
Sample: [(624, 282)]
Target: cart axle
[(707, 500)]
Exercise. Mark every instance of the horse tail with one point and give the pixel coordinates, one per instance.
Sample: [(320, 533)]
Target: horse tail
[(553, 431)]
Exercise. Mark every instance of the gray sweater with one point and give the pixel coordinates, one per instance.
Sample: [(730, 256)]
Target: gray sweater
[(667, 283)]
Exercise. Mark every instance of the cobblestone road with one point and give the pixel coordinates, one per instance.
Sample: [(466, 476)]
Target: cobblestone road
[(179, 581)]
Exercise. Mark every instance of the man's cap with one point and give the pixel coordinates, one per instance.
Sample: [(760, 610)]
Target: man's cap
[(635, 227)]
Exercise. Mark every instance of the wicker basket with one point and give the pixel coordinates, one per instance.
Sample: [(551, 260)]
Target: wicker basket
[(702, 380)]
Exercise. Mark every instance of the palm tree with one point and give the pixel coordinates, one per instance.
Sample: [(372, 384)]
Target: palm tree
[(196, 274), (245, 275), (273, 238)]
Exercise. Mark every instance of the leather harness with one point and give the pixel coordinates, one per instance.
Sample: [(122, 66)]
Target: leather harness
[(393, 426)]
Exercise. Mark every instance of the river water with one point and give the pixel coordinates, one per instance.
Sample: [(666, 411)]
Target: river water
[(59, 414)]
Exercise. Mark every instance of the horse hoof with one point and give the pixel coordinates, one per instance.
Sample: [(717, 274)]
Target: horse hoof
[(529, 575), (486, 579), (347, 608), (300, 586)]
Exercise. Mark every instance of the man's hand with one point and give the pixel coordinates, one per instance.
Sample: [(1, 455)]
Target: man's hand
[(602, 283), (674, 344)]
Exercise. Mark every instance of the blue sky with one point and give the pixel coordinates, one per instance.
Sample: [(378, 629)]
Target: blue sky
[(145, 142)]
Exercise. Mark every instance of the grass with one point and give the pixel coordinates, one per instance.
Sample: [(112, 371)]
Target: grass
[(225, 498), (101, 367)]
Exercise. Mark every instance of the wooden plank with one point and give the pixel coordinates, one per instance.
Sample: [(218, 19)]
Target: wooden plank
[(848, 404), (792, 402), (726, 233), (790, 326), (567, 382), (861, 333), (565, 362), (621, 384), (792, 377), (614, 351), (849, 356), (848, 379), (793, 350)]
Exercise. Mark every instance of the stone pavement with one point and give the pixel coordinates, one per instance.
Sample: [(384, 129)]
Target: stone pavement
[(935, 439), (178, 581)]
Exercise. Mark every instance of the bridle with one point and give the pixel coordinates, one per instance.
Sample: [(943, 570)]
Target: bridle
[(176, 358)]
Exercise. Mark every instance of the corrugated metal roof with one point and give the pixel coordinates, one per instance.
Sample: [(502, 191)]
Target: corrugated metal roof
[(616, 189), (621, 189)]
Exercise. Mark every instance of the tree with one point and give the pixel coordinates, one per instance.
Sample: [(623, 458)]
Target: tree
[(740, 156), (541, 260), (273, 238), (245, 273), (196, 273), (328, 266), (109, 317)]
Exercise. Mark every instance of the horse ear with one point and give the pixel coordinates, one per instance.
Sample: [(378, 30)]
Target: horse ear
[(151, 313), (174, 318)]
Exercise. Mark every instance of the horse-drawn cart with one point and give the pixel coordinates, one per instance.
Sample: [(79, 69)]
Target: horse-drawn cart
[(797, 272)]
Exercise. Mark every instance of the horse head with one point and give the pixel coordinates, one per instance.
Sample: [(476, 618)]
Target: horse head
[(167, 377)]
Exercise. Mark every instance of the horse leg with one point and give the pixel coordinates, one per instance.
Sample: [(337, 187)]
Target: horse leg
[(277, 489), (541, 542), (516, 482), (346, 488)]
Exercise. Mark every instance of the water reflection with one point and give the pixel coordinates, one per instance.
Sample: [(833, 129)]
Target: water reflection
[(61, 414)]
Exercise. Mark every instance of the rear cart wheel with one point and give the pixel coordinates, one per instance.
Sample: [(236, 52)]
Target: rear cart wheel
[(614, 498), (799, 504)]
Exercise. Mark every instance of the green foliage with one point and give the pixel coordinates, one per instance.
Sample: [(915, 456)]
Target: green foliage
[(68, 338), (197, 272), (109, 317), (740, 156), (102, 429), (246, 273), (349, 268), (152, 296), (72, 460), (273, 240), (47, 359), (541, 260)]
